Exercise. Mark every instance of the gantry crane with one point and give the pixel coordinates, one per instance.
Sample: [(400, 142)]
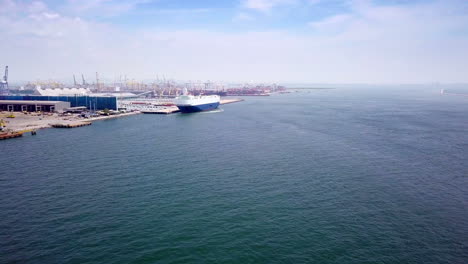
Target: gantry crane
[(4, 90), (84, 82)]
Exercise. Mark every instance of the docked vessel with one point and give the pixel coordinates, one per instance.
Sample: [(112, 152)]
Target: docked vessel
[(6, 135), (196, 103)]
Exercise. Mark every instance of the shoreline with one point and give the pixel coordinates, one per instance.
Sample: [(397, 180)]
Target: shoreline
[(34, 121), (25, 122)]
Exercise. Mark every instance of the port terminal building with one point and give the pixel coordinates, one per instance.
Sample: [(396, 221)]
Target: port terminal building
[(33, 106), (90, 102), (76, 97)]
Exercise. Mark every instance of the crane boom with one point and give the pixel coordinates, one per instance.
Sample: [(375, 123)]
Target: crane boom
[(97, 82)]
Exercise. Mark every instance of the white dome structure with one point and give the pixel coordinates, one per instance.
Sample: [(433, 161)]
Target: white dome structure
[(62, 91)]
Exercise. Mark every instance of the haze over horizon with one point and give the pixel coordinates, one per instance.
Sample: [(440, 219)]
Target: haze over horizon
[(282, 41)]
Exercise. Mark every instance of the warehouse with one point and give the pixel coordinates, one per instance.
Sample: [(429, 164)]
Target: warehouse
[(91, 102), (33, 106)]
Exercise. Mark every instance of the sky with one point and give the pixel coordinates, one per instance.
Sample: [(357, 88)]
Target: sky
[(281, 41)]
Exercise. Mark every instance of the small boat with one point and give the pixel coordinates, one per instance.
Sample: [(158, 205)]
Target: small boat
[(7, 135)]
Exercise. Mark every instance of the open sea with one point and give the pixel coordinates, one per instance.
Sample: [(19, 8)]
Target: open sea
[(372, 175)]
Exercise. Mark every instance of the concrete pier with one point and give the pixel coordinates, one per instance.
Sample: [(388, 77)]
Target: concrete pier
[(162, 110), (71, 124), (230, 101), (35, 121)]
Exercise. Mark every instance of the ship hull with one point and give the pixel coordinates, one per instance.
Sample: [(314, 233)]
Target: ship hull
[(198, 108)]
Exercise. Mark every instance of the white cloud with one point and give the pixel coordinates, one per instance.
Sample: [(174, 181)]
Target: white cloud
[(266, 5), (180, 11), (50, 15), (332, 23), (44, 15), (314, 2), (242, 16), (36, 6), (7, 6), (106, 8), (411, 43), (420, 43)]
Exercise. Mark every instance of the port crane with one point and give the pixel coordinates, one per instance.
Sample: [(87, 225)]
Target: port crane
[(84, 82), (98, 86), (4, 90)]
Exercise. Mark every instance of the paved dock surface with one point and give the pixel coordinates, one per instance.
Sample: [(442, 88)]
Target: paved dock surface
[(34, 121), (163, 110)]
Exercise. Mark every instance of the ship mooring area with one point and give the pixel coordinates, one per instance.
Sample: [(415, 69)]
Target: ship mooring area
[(20, 116)]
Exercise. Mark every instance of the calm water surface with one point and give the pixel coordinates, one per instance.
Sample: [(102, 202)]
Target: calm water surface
[(320, 176)]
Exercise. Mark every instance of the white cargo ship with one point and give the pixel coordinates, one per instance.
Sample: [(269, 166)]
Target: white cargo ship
[(196, 103)]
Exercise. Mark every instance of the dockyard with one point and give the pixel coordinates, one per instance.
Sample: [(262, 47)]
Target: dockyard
[(19, 121), (50, 104), (16, 123)]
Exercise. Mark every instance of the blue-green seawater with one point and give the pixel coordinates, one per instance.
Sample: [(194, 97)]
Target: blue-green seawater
[(320, 176)]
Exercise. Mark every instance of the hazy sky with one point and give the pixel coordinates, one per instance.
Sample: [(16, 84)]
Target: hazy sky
[(319, 41)]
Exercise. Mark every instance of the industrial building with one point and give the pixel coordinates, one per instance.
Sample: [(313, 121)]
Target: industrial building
[(33, 106), (90, 102), (62, 91)]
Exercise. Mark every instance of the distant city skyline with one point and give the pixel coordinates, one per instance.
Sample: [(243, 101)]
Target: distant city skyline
[(270, 41)]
